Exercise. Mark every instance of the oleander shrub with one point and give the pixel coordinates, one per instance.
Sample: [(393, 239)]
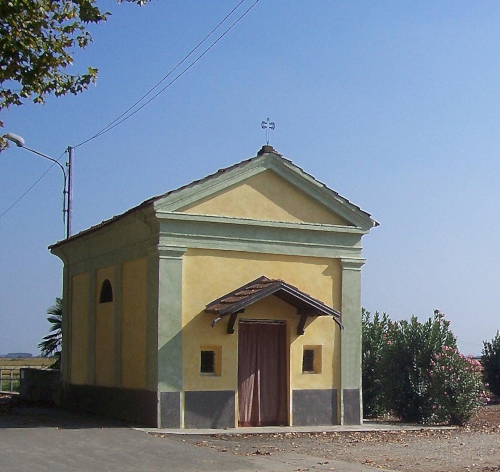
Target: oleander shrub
[(374, 344), (422, 377), (456, 387), (490, 360), (412, 347)]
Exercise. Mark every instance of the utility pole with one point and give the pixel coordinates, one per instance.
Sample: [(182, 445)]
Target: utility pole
[(70, 192)]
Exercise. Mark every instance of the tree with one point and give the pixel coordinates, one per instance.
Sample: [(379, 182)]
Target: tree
[(51, 344), (490, 360), (37, 42)]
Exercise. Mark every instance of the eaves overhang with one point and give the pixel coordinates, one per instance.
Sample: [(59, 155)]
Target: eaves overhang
[(236, 301)]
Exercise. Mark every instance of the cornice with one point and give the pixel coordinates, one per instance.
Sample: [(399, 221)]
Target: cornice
[(165, 216), (220, 233), (323, 194), (200, 191), (283, 168)]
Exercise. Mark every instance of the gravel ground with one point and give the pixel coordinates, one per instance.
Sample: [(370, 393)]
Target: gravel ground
[(472, 448)]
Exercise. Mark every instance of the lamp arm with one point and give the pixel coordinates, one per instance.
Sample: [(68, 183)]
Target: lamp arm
[(19, 142), (50, 159), (65, 188)]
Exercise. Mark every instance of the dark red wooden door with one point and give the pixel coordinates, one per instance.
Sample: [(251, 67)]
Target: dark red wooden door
[(262, 373)]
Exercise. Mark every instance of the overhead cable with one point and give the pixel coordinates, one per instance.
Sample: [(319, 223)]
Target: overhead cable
[(29, 189), (129, 113)]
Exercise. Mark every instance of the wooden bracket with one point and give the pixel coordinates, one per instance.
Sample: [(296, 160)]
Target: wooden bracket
[(232, 320), (302, 324)]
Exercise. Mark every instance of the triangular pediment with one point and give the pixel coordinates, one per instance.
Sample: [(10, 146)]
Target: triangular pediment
[(267, 188), (266, 196)]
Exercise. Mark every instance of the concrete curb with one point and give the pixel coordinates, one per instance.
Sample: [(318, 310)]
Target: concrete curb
[(366, 427)]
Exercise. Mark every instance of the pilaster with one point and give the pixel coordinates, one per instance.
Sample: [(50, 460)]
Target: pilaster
[(351, 411), (66, 326), (152, 320), (91, 328), (117, 298), (170, 329)]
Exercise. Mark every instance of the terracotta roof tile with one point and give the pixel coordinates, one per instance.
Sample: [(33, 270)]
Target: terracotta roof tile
[(260, 288)]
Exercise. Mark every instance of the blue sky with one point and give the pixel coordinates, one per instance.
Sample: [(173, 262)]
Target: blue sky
[(395, 105)]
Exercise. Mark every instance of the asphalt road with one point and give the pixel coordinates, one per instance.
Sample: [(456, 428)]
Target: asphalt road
[(34, 440), (45, 449)]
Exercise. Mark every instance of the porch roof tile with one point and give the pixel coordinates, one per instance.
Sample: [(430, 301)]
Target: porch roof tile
[(237, 300)]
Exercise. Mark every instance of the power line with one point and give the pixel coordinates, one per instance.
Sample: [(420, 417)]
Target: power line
[(164, 78), (125, 116), (29, 189)]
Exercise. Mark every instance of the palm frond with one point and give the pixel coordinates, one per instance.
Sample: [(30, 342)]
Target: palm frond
[(51, 344)]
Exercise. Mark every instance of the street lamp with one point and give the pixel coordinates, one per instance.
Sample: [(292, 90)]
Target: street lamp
[(67, 189)]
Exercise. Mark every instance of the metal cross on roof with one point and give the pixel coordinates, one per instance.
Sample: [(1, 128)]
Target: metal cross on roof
[(267, 125)]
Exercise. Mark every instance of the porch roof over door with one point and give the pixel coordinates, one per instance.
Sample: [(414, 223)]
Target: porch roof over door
[(236, 301)]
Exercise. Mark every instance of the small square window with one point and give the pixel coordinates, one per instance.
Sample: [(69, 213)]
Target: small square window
[(308, 360), (311, 360), (210, 360), (207, 362)]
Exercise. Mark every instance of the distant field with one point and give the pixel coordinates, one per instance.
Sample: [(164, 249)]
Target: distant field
[(9, 370), (13, 363)]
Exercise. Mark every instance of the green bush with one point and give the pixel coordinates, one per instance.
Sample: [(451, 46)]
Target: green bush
[(456, 388), (415, 371), (411, 348), (490, 360), (374, 343)]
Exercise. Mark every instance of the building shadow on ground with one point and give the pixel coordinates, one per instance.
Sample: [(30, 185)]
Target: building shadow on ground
[(18, 413)]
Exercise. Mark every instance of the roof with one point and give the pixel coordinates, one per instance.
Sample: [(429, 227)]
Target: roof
[(265, 150), (237, 300)]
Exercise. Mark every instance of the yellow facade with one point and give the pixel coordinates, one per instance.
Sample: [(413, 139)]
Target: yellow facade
[(104, 332), (133, 324), (133, 327), (268, 197), (80, 285), (209, 274)]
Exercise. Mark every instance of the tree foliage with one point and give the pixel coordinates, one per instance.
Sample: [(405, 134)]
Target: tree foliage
[(456, 382), (51, 344), (37, 42), (374, 345), (411, 349), (414, 370), (490, 360)]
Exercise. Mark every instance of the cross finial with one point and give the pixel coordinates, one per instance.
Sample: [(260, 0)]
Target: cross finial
[(267, 125)]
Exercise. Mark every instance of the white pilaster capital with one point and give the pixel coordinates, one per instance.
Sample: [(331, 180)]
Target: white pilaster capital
[(168, 252), (351, 263)]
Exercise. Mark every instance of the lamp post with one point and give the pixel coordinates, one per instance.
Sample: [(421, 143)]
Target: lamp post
[(67, 189)]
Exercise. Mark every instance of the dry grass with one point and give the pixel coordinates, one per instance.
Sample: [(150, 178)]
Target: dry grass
[(10, 363)]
